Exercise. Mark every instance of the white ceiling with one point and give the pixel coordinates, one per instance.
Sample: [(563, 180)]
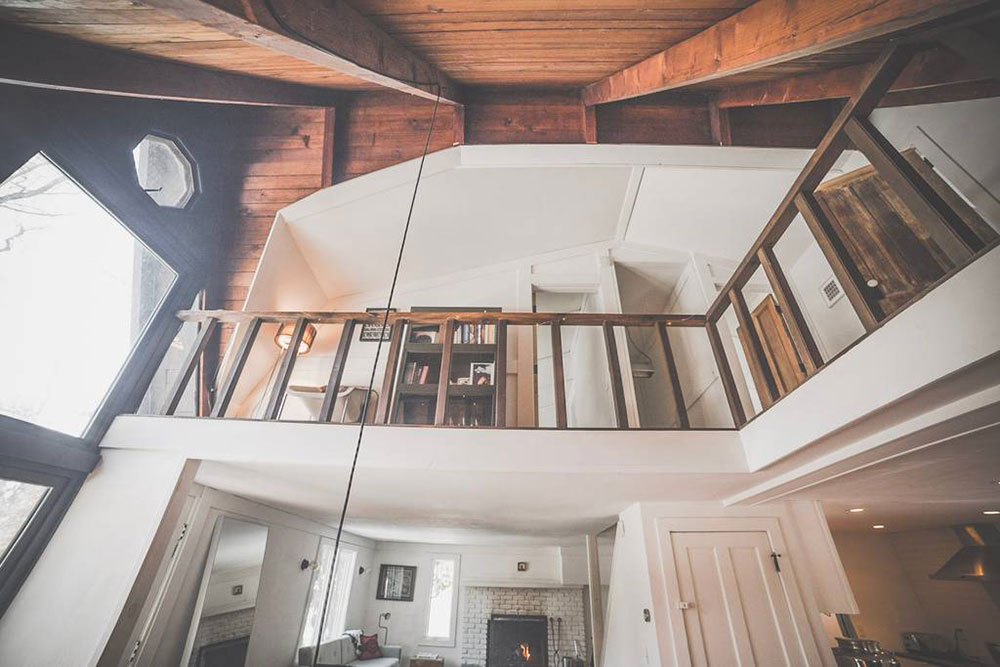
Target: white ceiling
[(944, 484), (466, 507), (485, 205)]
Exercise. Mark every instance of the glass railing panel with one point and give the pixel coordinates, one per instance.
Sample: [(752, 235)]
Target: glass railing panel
[(160, 387), (545, 394), (590, 399)]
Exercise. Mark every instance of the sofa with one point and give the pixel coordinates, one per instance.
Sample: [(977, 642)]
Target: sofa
[(341, 652)]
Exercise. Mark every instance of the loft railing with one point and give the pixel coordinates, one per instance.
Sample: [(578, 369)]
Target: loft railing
[(760, 355), (405, 328)]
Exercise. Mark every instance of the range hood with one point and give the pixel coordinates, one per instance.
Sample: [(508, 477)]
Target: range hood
[(979, 557)]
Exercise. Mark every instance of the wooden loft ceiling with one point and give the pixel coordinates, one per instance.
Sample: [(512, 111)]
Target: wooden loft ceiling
[(608, 50)]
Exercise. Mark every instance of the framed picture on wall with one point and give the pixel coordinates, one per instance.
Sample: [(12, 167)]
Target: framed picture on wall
[(370, 333), (395, 582)]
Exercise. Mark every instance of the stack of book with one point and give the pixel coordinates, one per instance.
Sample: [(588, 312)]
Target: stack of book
[(476, 334), (416, 373)]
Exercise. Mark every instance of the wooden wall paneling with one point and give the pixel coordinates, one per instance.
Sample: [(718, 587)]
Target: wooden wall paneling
[(718, 117), (680, 406), (764, 382), (329, 127), (615, 372), (337, 373), (188, 366), (781, 126), (725, 374), (384, 413), (589, 124), (558, 374), (506, 116), (242, 352), (444, 377), (974, 47), (500, 377), (668, 119)]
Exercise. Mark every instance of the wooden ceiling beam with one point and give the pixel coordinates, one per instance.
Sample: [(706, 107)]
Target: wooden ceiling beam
[(932, 68), (41, 60), (766, 33), (325, 32)]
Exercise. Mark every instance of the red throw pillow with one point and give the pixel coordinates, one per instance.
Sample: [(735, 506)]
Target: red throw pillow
[(368, 647)]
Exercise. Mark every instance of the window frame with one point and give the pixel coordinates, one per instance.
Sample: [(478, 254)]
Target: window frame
[(195, 171), (452, 639), (347, 594)]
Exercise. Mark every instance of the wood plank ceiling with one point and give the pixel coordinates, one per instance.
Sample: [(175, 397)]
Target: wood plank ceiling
[(130, 26)]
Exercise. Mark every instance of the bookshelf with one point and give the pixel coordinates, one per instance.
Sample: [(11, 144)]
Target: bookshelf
[(450, 373)]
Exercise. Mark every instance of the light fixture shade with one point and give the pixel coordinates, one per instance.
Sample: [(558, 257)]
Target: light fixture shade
[(284, 337)]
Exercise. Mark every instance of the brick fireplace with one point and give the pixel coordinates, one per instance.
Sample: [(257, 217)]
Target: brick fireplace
[(483, 603)]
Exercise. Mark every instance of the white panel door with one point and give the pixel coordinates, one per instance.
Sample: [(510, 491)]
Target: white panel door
[(739, 612)]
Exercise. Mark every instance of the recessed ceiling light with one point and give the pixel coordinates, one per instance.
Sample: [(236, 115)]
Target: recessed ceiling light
[(855, 510), (992, 512), (879, 526)]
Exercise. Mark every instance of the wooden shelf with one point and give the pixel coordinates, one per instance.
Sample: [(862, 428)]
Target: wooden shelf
[(429, 389), (468, 390)]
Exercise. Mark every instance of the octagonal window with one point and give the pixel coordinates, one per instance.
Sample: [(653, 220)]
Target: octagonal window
[(77, 290), (164, 171)]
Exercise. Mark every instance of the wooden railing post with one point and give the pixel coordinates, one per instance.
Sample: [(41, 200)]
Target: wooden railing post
[(615, 371), (447, 343), (284, 374), (680, 406), (500, 377), (187, 368), (384, 413), (558, 374), (767, 388), (228, 387), (337, 373), (726, 375)]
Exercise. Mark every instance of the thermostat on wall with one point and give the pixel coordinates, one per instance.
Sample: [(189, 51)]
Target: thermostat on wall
[(522, 566)]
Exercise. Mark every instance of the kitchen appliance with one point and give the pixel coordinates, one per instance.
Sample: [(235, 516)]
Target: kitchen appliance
[(851, 652), (978, 559), (927, 643)]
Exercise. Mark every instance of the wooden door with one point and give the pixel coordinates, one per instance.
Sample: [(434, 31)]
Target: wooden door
[(898, 256), (779, 351), (738, 611)]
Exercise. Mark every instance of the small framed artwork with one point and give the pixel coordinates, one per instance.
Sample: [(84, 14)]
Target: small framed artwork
[(370, 333), (481, 373), (396, 582)]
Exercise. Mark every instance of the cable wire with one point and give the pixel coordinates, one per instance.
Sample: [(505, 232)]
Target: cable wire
[(371, 384)]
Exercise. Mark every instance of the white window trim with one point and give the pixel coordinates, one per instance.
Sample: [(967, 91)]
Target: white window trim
[(451, 641), (350, 588)]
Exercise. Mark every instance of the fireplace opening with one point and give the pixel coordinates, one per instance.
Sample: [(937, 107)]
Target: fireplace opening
[(515, 640)]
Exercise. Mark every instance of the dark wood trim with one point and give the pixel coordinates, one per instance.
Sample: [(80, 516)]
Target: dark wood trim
[(500, 377), (615, 371), (680, 406), (337, 372), (330, 34), (718, 118), (974, 48), (726, 375), (763, 379), (277, 396), (558, 374), (447, 343), (944, 224), (460, 317), (384, 413), (589, 125), (329, 127), (242, 353), (766, 33), (39, 59), (188, 366), (878, 79), (792, 315), (458, 125), (840, 261)]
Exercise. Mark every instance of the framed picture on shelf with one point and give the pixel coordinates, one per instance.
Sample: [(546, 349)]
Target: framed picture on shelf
[(395, 582), (481, 373), (370, 332)]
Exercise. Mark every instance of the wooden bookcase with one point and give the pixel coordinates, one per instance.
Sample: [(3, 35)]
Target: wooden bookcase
[(434, 373)]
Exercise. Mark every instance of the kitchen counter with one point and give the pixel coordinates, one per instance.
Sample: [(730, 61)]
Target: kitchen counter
[(941, 661)]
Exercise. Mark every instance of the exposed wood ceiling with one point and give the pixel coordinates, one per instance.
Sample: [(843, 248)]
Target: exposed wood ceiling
[(551, 43), (123, 24)]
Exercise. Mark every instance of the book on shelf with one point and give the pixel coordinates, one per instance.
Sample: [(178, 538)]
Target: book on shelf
[(415, 373), (476, 334)]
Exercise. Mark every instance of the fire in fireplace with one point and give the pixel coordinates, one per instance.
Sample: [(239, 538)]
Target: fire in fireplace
[(515, 640)]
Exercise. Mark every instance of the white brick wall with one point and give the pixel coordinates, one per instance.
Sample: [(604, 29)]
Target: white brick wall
[(482, 602), (221, 627)]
